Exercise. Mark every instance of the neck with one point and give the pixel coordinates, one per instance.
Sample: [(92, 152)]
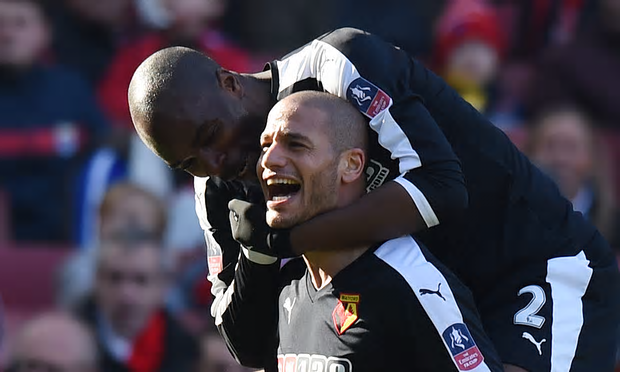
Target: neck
[(257, 93), (324, 265)]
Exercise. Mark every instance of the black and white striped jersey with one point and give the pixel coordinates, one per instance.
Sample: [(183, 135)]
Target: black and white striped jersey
[(419, 125), (392, 309), (513, 214), (406, 146)]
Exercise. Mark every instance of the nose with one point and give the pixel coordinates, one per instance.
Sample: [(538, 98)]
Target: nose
[(214, 162), (273, 158)]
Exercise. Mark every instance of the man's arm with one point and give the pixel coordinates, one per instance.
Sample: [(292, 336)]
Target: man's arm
[(242, 284), (249, 322), (375, 77), (383, 214)]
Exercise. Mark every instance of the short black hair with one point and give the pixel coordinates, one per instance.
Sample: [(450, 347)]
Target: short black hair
[(171, 85)]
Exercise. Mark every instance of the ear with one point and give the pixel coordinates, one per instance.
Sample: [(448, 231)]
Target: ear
[(229, 82), (352, 165)]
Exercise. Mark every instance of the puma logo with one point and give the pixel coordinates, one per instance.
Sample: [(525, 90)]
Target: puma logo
[(531, 339), (428, 291), (288, 306)]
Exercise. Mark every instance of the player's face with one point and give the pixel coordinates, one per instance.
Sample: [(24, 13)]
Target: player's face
[(298, 168), (129, 286), (224, 144)]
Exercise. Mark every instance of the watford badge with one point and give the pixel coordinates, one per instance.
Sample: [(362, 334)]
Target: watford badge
[(345, 313)]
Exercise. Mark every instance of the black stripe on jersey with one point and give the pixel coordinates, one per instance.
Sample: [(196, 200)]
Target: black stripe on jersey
[(305, 84)]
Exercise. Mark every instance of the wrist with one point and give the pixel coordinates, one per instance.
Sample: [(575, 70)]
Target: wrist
[(258, 257), (279, 241)]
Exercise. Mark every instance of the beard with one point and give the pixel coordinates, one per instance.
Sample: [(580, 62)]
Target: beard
[(321, 197)]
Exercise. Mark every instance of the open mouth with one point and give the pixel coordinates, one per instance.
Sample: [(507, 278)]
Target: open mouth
[(281, 189)]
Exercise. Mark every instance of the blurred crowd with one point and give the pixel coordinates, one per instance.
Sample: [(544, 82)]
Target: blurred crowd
[(101, 261)]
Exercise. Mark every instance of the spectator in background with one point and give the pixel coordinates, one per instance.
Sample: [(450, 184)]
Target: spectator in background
[(124, 206), (586, 71), (54, 342), (48, 121), (87, 33), (562, 143), (191, 23), (468, 50), (534, 25), (531, 26), (134, 331), (275, 27), (127, 206), (407, 24)]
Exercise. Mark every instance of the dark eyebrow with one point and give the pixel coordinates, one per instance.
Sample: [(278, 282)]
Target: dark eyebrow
[(293, 136), (286, 135)]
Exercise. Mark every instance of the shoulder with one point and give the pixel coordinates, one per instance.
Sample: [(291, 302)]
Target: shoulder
[(400, 252), (351, 40), (406, 267), (389, 266), (200, 185)]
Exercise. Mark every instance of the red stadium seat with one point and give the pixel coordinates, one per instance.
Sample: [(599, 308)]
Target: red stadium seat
[(27, 275)]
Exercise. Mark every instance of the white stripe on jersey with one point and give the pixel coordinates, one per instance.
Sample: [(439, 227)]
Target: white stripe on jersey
[(569, 278), (335, 71), (200, 188), (422, 203), (405, 256), (220, 301)]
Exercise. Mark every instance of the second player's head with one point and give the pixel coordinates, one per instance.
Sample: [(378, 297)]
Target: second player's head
[(313, 157), (193, 114)]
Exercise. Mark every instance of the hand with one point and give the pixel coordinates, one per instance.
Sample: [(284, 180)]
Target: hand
[(249, 227)]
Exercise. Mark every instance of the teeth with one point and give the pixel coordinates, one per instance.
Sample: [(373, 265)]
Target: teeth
[(280, 198), (280, 181)]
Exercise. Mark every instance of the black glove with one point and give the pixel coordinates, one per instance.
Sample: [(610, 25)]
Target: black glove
[(249, 227)]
